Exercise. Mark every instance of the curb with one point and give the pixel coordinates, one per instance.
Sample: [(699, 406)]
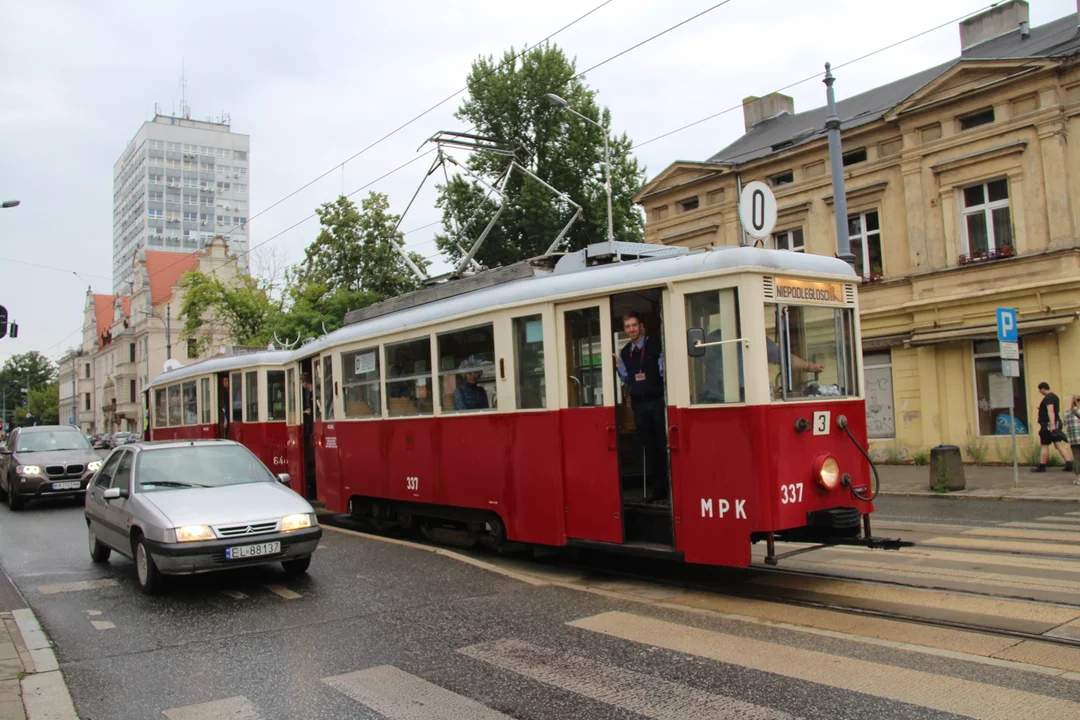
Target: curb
[(44, 692), (1003, 497)]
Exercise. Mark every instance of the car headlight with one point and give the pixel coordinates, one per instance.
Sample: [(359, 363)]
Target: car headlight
[(28, 469), (298, 521), (827, 472), (194, 533), (94, 466)]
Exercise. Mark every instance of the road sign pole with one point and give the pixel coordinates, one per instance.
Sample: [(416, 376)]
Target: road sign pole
[(836, 163)]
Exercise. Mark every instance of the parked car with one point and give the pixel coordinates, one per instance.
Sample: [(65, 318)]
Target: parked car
[(180, 508), (45, 461), (102, 441), (118, 439), (133, 438)]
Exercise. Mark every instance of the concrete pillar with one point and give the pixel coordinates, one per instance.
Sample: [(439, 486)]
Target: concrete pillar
[(1053, 149)]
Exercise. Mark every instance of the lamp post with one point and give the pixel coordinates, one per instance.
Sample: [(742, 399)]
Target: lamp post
[(9, 204), (557, 101)]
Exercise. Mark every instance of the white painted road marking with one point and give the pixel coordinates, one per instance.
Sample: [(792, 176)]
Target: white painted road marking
[(234, 594), (400, 696), (102, 625), (234, 708), (76, 586), (284, 592), (633, 691)]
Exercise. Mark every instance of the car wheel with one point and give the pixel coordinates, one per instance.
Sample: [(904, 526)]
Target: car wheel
[(146, 572), (14, 501), (298, 566), (98, 553)]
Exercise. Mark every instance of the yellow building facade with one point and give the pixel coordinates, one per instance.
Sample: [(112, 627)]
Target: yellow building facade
[(962, 192)]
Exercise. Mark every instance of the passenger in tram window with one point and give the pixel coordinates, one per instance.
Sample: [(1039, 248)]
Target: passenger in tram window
[(469, 395), (797, 363), (641, 366)]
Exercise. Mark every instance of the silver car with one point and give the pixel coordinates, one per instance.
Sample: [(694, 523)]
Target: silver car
[(178, 508)]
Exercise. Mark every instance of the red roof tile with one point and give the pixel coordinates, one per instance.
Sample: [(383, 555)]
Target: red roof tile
[(164, 270), (104, 307)]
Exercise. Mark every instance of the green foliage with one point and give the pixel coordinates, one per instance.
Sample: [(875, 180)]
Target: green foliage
[(1028, 454), (240, 308), (942, 477), (978, 451), (353, 252), (893, 454), (314, 307), (505, 102), (44, 405), (30, 367), (921, 457)]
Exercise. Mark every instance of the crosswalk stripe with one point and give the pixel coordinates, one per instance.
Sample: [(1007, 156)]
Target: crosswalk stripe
[(931, 690), (1014, 534), (284, 592), (1013, 609), (1060, 519), (925, 553), (401, 696), (1003, 545), (1043, 526), (234, 708), (633, 691)]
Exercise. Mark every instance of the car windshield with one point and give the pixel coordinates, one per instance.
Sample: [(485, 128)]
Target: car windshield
[(198, 466), (51, 441)]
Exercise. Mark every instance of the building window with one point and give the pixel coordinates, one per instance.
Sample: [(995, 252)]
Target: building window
[(785, 178), (983, 117), (86, 401), (192, 348), (131, 352), (877, 373), (855, 156), (529, 362), (987, 223), (240, 187), (240, 155), (789, 240), (360, 383), (993, 390), (689, 204), (86, 370), (864, 230)]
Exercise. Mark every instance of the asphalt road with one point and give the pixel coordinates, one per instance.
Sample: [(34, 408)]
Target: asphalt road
[(416, 635)]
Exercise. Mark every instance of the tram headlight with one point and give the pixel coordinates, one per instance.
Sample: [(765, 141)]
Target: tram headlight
[(827, 472)]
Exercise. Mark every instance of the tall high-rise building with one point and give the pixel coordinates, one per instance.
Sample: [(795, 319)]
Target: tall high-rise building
[(179, 183)]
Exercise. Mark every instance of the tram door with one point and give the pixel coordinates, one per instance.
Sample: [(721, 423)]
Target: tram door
[(223, 406), (307, 409), (589, 432)]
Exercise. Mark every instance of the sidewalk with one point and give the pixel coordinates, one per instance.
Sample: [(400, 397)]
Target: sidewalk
[(31, 686), (990, 482)]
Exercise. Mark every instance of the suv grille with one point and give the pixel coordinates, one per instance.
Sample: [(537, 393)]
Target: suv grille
[(59, 471), (74, 469), (54, 469), (233, 531)]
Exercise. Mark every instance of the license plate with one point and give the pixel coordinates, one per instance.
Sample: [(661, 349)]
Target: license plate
[(250, 551), (66, 485)]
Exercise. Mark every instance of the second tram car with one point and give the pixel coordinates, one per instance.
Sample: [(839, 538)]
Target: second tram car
[(765, 428)]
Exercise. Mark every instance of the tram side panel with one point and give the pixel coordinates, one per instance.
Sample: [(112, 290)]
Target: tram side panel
[(294, 457), (591, 474), (184, 432)]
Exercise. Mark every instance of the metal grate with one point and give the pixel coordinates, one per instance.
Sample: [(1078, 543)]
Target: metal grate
[(770, 288), (232, 531)]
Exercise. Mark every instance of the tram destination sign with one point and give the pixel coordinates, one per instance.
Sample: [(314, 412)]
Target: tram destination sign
[(806, 290)]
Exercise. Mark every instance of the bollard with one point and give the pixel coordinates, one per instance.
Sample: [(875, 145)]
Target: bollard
[(946, 468)]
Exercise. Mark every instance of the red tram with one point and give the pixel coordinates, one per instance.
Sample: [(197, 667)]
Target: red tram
[(760, 448)]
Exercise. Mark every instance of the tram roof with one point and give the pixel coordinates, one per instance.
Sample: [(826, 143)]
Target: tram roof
[(570, 276)]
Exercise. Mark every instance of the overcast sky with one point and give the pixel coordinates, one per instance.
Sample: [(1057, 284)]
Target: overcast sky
[(315, 82)]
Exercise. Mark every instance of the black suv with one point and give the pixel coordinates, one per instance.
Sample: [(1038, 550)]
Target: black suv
[(47, 460)]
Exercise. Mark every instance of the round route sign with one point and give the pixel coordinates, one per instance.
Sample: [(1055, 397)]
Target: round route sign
[(757, 209)]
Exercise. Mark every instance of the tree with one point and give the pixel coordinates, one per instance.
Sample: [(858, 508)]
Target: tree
[(44, 405), (313, 308), (28, 369), (241, 309), (505, 102), (352, 252)]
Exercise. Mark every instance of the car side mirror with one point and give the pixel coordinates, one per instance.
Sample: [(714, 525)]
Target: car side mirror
[(284, 478), (114, 494), (695, 338)]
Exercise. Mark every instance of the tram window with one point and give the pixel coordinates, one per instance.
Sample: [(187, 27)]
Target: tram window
[(328, 388), (529, 362), (360, 383), (819, 357), (175, 414), (191, 403), (275, 395), (290, 395), (716, 376), (584, 358), (408, 378), (204, 398), (251, 399), (237, 386), (467, 369), (161, 412)]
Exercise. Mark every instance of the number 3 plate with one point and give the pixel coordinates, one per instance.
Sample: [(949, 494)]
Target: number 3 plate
[(821, 423)]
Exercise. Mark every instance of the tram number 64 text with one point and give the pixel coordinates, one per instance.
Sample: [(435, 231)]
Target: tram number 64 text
[(791, 493), (412, 483), (279, 460)]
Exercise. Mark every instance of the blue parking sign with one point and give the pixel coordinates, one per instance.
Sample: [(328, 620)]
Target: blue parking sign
[(1006, 325)]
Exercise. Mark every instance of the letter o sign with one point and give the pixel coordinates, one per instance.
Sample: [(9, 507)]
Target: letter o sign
[(757, 209)]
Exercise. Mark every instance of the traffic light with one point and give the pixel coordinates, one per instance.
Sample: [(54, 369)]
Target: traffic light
[(14, 333), (4, 322)]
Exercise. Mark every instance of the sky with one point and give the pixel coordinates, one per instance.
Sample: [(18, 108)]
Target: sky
[(315, 86)]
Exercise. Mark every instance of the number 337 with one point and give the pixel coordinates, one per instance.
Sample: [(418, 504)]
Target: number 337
[(791, 493)]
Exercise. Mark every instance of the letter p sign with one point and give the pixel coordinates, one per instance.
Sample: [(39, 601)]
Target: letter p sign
[(1006, 325)]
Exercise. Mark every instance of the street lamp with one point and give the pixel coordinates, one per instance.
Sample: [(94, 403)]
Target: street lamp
[(9, 203), (557, 101)]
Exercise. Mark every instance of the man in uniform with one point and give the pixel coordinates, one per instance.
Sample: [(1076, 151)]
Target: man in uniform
[(641, 367)]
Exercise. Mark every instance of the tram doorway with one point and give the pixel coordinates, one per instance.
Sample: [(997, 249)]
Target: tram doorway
[(307, 410), (223, 406), (644, 467)]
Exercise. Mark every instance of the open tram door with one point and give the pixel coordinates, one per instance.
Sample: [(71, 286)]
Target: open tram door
[(223, 405), (307, 410)]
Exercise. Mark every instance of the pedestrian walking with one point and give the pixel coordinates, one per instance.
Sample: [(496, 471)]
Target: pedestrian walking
[(1050, 430), (1072, 430)]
